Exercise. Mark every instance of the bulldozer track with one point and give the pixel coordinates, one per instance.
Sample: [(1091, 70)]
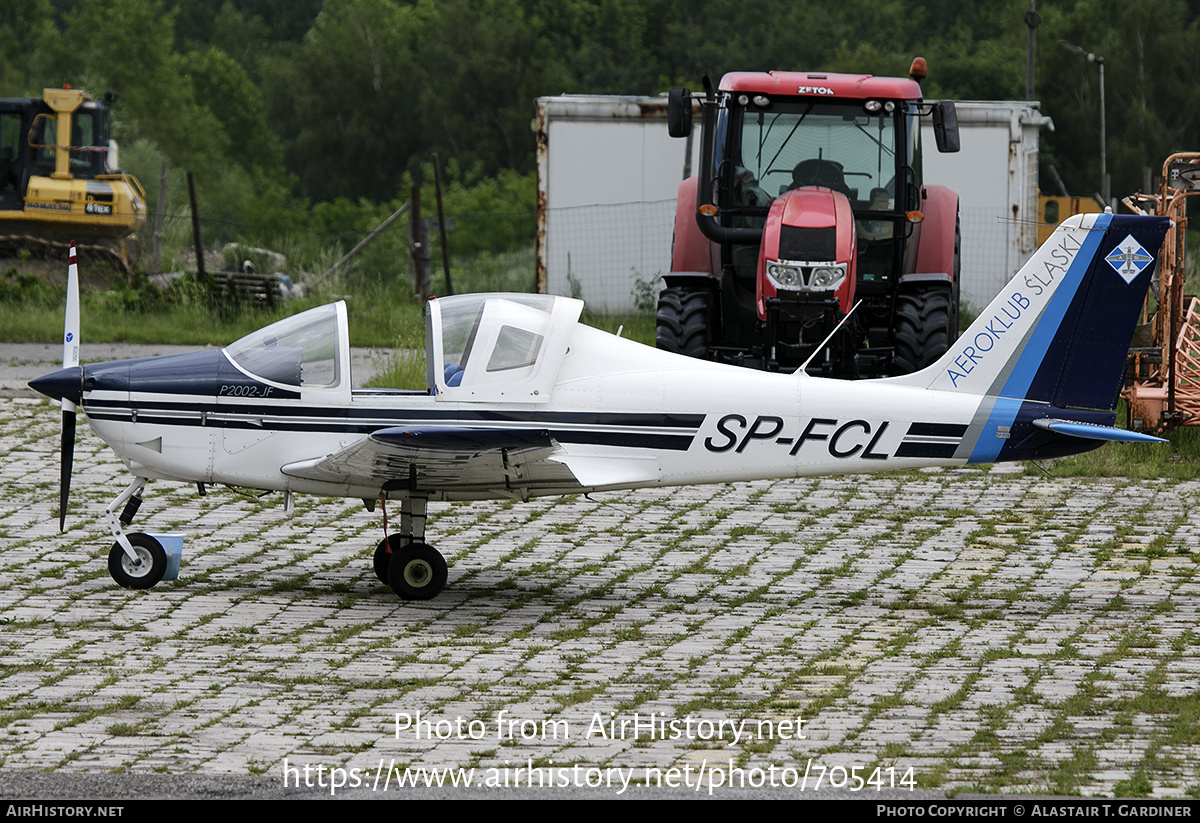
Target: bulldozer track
[(90, 251)]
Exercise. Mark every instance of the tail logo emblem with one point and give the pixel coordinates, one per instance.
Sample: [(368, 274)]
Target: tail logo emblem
[(1128, 259)]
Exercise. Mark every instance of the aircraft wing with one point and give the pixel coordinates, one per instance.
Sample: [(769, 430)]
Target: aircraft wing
[(465, 459)]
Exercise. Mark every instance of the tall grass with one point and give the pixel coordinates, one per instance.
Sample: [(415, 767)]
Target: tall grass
[(383, 311), (1178, 459)]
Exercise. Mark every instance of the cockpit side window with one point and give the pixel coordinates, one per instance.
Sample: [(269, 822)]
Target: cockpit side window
[(499, 347), (514, 348)]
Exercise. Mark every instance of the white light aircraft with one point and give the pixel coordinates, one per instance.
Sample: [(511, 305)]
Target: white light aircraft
[(525, 401)]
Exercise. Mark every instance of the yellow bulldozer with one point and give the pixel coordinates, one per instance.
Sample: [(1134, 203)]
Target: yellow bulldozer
[(59, 179)]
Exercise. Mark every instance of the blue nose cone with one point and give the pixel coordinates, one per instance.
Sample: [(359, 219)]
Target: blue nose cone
[(64, 383)]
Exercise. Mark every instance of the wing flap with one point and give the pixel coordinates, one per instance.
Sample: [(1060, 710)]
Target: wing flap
[(441, 459), (595, 471)]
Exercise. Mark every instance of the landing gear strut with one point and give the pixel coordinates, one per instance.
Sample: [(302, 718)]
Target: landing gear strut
[(414, 569), (136, 561)]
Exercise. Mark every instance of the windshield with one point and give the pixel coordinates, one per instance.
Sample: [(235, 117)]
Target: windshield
[(89, 146), (297, 351), (816, 143)]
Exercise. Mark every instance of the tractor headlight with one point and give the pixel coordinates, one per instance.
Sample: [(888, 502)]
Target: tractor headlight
[(789, 275), (784, 276), (825, 278)]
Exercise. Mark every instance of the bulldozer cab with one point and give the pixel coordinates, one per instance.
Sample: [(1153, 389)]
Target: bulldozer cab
[(28, 140), (58, 181), (87, 142)]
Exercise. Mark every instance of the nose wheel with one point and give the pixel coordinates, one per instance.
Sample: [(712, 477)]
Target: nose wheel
[(145, 568), (136, 561)]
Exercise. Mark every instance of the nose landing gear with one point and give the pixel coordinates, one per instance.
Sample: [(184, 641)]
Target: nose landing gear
[(136, 561)]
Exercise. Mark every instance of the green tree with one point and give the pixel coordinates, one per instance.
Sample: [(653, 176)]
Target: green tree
[(1150, 55), (222, 86), (346, 99), (26, 31), (485, 61), (167, 107)]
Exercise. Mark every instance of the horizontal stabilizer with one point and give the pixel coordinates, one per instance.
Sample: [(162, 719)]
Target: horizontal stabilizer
[(1090, 431)]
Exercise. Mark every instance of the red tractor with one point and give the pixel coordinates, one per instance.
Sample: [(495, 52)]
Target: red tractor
[(810, 211)]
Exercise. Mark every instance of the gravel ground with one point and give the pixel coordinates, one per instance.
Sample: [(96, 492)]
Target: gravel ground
[(963, 630)]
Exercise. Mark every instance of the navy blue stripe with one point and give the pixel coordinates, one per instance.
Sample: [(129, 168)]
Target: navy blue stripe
[(926, 449), (632, 440), (667, 442), (640, 419), (937, 430)]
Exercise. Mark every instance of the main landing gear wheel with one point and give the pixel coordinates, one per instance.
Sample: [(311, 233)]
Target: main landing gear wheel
[(416, 571), (383, 559), (149, 568)]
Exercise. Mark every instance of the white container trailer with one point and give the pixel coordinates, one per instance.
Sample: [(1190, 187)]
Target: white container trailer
[(608, 173), (996, 177)]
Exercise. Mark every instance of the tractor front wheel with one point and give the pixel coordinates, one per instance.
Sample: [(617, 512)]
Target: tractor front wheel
[(923, 330), (683, 321)]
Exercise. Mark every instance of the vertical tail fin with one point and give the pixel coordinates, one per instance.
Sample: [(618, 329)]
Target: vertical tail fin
[(1059, 331)]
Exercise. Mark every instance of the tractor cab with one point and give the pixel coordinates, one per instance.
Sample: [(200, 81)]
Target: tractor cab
[(791, 145), (811, 199)]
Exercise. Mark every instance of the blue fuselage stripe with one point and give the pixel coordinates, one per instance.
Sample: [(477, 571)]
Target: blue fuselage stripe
[(673, 432), (987, 448)]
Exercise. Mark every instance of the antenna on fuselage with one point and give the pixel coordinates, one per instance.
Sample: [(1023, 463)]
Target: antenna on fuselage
[(803, 370)]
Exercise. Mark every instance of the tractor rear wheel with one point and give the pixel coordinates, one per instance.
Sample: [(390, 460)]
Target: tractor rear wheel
[(683, 321), (923, 328)]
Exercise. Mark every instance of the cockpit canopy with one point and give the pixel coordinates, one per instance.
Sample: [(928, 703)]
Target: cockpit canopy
[(498, 347), (309, 350), (479, 347)]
